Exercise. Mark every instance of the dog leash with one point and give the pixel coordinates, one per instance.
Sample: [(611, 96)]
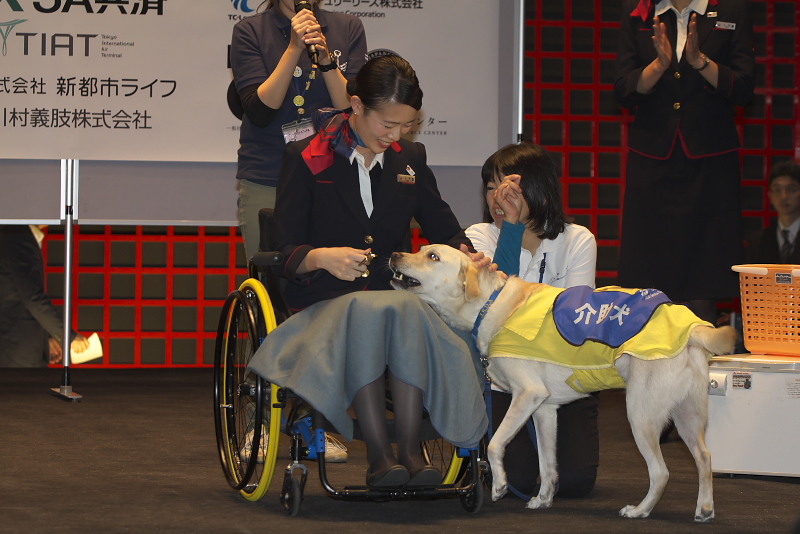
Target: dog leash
[(487, 387)]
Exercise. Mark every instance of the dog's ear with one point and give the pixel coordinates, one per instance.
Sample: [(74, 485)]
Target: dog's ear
[(472, 286)]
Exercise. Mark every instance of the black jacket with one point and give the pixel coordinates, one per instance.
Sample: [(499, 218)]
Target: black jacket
[(27, 317), (683, 107), (326, 210), (763, 247)]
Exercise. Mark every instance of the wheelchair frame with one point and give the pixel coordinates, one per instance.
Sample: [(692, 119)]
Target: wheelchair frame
[(248, 425)]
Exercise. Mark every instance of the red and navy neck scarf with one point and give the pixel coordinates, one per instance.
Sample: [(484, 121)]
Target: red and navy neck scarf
[(335, 136)]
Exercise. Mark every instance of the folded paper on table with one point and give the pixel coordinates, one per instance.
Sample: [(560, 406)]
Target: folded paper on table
[(94, 351)]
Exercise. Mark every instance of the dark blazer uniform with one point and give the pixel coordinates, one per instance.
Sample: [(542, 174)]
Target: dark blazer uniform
[(681, 225), (763, 247), (27, 317), (683, 107), (326, 210)]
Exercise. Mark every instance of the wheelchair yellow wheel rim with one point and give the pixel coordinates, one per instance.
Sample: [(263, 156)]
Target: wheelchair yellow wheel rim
[(257, 491)]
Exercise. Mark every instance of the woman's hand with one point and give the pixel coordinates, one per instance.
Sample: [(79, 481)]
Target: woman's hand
[(79, 344), (693, 55), (55, 351), (662, 45), (307, 31), (482, 260), (344, 263), (509, 197)]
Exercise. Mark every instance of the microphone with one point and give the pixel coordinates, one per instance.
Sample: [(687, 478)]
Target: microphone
[(299, 6)]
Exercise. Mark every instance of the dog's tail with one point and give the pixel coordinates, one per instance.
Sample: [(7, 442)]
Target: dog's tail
[(715, 340)]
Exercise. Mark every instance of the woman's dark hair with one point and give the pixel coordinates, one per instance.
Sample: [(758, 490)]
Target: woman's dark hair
[(540, 184), (386, 79)]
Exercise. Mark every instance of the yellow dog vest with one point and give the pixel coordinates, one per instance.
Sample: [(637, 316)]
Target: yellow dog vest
[(531, 333)]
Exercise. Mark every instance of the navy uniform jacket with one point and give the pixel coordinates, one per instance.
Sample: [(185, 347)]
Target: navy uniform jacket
[(326, 210), (683, 107), (27, 317)]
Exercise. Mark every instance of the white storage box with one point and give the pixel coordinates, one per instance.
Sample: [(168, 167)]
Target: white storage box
[(754, 415)]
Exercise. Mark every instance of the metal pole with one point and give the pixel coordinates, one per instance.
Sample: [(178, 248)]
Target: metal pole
[(69, 172)]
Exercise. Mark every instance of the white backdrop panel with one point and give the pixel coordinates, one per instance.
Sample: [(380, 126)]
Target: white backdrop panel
[(145, 80)]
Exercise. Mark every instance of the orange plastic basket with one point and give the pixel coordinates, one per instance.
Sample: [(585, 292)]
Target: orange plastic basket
[(770, 308)]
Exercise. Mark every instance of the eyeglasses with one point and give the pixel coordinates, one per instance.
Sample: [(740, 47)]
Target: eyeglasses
[(789, 190)]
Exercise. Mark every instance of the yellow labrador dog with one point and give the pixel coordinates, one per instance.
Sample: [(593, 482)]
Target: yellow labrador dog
[(670, 386)]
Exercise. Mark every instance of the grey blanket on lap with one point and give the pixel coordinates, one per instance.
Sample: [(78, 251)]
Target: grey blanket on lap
[(329, 351)]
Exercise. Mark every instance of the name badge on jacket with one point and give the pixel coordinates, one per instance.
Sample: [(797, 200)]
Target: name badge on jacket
[(406, 179), (726, 25)]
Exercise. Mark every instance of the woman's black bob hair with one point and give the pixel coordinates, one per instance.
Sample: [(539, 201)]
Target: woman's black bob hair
[(386, 79), (540, 184)]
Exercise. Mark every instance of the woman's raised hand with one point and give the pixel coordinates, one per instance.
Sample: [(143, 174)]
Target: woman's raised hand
[(508, 196), (307, 31), (662, 45)]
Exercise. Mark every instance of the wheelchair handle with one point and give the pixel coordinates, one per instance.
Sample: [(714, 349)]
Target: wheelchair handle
[(267, 259)]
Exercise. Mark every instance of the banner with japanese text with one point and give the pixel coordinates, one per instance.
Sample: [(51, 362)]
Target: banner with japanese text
[(146, 80)]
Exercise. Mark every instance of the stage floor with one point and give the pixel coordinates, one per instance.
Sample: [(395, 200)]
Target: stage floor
[(138, 454)]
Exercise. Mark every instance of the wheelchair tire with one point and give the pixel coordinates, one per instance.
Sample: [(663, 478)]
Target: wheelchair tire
[(246, 419), (473, 501), (291, 495)]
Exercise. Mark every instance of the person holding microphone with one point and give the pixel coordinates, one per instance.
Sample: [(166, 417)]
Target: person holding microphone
[(280, 86)]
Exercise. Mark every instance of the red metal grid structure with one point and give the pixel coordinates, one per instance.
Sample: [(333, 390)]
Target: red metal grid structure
[(204, 307)]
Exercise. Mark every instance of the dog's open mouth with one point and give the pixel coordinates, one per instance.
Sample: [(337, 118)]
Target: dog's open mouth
[(402, 281)]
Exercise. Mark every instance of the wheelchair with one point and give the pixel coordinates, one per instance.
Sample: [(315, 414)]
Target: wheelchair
[(251, 415)]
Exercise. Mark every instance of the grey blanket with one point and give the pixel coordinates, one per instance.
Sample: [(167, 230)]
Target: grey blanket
[(329, 351)]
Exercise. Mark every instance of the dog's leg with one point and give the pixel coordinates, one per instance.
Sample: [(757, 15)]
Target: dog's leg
[(523, 404), (648, 411), (546, 421), (691, 417)]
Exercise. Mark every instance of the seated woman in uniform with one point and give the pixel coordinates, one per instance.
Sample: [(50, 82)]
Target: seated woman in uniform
[(343, 196)]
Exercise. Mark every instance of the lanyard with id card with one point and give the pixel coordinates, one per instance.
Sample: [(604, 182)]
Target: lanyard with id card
[(297, 130), (302, 127)]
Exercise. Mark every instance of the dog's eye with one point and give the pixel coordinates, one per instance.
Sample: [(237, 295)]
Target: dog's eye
[(433, 257)]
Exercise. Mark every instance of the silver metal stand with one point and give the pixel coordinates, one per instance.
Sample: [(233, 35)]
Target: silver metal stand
[(69, 173)]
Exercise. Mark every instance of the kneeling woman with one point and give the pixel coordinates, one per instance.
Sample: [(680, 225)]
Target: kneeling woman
[(344, 195), (527, 234)]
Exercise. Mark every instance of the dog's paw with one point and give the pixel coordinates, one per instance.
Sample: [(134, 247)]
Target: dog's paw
[(633, 512), (705, 516), (538, 504), (499, 491)]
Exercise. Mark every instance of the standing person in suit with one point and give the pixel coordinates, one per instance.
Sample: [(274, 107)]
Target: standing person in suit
[(350, 192), (682, 65), (279, 87), (31, 328), (780, 242)]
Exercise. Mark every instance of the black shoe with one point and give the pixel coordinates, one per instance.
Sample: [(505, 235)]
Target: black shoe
[(427, 475), (394, 477)]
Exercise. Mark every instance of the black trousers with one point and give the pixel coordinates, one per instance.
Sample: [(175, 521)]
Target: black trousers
[(577, 443)]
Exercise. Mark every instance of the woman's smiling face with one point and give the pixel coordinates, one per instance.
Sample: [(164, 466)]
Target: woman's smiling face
[(380, 127)]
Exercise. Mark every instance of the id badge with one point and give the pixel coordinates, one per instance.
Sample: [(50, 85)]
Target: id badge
[(297, 130)]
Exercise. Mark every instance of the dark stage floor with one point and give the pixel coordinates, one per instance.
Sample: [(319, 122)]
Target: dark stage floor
[(137, 454)]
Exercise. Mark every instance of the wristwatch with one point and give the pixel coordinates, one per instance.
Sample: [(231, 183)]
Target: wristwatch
[(706, 62), (330, 66)]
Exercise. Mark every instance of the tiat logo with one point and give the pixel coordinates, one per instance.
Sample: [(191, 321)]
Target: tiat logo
[(14, 4), (6, 27), (241, 5)]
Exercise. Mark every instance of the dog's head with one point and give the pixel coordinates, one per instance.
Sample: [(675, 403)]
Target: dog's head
[(447, 279)]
